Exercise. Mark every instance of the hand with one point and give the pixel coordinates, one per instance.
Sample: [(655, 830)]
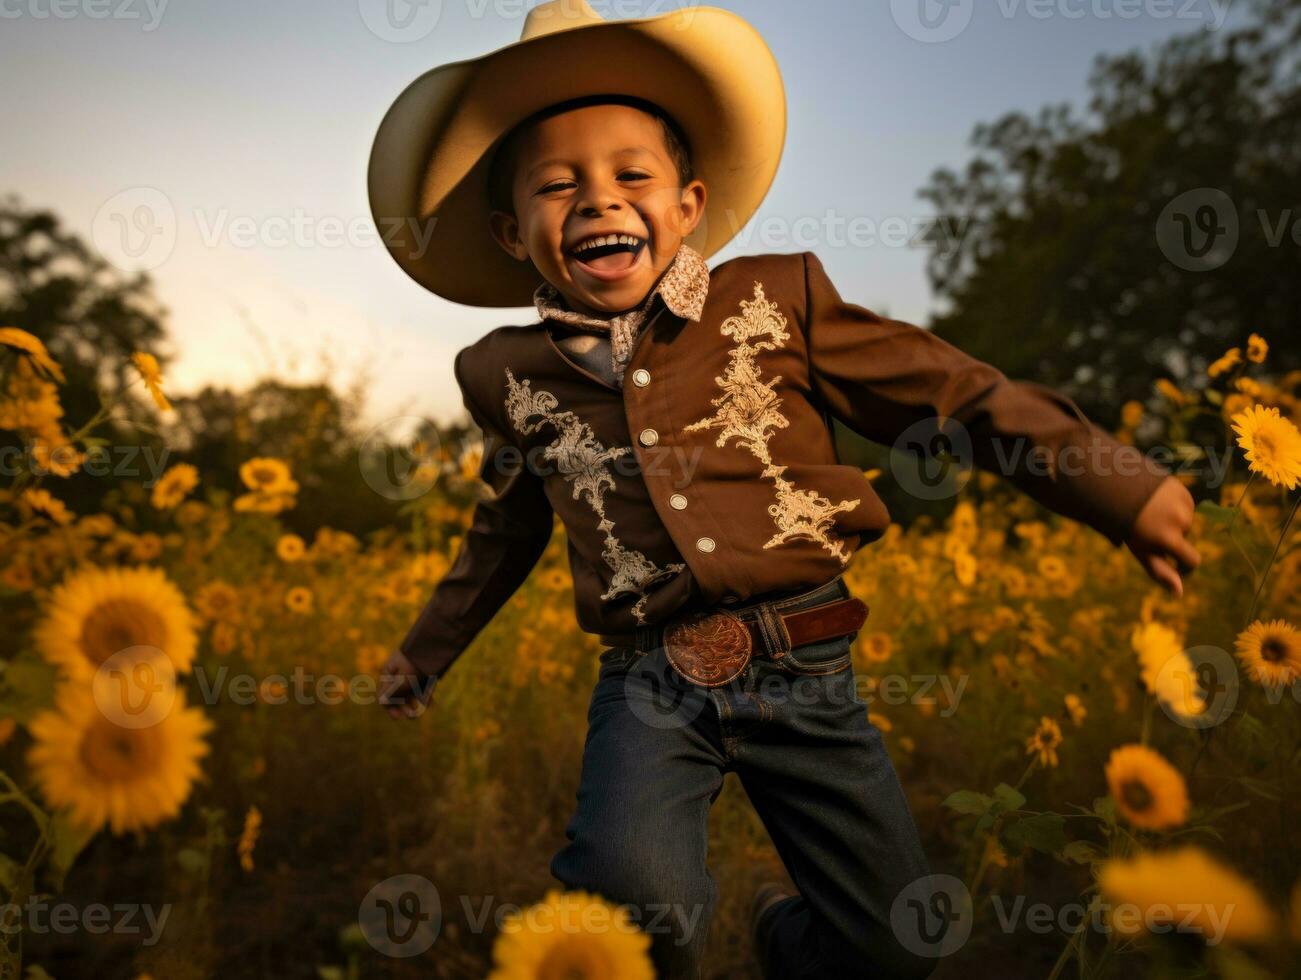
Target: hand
[(404, 691), (1158, 540)]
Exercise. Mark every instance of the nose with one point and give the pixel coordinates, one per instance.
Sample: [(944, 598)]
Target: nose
[(597, 198)]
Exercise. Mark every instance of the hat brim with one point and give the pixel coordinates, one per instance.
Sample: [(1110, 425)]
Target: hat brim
[(427, 181)]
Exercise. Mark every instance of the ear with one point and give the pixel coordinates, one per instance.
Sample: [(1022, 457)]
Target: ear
[(505, 229), (692, 205)]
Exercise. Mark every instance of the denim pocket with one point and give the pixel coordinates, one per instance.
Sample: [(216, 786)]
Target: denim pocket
[(829, 657)]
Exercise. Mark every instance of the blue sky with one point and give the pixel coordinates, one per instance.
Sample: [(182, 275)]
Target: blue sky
[(251, 121)]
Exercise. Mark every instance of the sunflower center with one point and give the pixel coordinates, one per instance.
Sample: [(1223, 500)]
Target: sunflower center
[(575, 957), (119, 755), (1136, 795), (116, 624), (1273, 651)]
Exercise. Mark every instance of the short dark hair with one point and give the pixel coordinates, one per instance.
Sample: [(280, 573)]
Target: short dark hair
[(501, 169)]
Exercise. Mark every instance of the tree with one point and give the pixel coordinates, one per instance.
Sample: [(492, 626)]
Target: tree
[(1059, 251)]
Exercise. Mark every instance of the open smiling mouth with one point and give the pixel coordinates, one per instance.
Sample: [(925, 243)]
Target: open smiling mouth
[(609, 257)]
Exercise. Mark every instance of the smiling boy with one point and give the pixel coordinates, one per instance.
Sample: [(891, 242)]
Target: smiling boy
[(675, 419)]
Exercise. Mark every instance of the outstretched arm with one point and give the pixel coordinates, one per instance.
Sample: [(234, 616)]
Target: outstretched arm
[(880, 376), (507, 536)]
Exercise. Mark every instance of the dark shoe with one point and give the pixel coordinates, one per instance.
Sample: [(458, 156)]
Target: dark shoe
[(766, 896)]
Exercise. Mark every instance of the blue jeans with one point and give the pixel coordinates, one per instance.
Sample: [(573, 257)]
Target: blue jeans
[(815, 769)]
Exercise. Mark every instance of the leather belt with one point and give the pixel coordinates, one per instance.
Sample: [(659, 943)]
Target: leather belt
[(713, 647)]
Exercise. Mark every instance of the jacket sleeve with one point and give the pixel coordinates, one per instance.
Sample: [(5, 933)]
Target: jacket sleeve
[(509, 531), (880, 376)]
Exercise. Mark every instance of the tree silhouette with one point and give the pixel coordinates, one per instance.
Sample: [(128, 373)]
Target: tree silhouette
[(1058, 273)]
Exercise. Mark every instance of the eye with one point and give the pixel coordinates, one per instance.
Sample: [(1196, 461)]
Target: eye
[(633, 175), (555, 185)]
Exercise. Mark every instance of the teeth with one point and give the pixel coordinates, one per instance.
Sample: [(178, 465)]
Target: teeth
[(597, 241)]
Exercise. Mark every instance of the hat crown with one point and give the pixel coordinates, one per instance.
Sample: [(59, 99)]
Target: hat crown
[(558, 15)]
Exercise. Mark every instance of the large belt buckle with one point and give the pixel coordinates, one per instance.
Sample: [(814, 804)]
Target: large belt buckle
[(708, 649)]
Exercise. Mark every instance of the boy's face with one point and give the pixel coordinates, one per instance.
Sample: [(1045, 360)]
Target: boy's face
[(598, 170)]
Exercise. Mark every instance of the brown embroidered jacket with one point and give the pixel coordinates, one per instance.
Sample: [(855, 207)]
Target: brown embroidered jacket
[(711, 476)]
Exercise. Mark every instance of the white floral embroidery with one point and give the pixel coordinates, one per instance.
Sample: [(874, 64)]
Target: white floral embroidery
[(582, 459), (749, 411)]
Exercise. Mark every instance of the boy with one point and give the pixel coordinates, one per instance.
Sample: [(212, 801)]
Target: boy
[(674, 418)]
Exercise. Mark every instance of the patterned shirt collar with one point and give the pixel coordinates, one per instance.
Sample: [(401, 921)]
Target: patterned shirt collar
[(683, 287)]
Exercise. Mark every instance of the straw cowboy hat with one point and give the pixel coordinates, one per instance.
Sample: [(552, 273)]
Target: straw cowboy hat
[(706, 67)]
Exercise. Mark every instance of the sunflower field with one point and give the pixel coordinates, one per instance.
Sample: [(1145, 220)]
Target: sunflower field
[(196, 779)]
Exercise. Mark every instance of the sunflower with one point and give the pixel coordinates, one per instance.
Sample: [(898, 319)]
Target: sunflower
[(571, 934), (1075, 708), (152, 374), (248, 838), (1044, 742), (299, 599), (1170, 391), (1052, 568), (290, 547), (964, 567), (216, 600), (1183, 885), (173, 486), (44, 503), (1166, 670), (1149, 792), (26, 343), (97, 612), (878, 647), (1272, 444), (1271, 652), (102, 773), (1257, 349), (267, 474), (1226, 360)]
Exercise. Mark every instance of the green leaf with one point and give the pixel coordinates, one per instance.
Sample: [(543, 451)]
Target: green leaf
[(191, 861), (1042, 831), (1234, 964), (1080, 852), (1105, 807), (1260, 787), (1215, 512), (330, 972), (68, 841), (27, 687), (1213, 396), (1008, 798), (35, 972), (10, 872), (969, 801)]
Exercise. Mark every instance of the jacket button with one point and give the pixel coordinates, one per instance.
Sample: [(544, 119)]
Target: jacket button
[(641, 377), (678, 502), (648, 437), (705, 545)]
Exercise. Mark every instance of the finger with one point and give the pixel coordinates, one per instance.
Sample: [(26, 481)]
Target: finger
[(1185, 552), (1164, 573)]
